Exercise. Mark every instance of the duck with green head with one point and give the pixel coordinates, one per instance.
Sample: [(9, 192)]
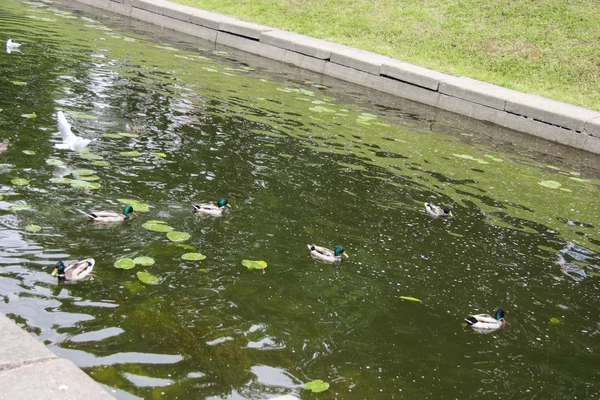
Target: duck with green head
[(109, 216), (324, 254), (437, 211), (485, 322), (211, 209), (75, 271)]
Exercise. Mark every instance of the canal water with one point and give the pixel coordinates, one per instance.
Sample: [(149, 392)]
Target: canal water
[(302, 159)]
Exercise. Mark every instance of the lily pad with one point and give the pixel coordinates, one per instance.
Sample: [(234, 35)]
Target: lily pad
[(33, 228), (316, 386), (133, 153), (79, 184), (128, 135), (83, 172), (157, 227), (129, 201), (101, 163), (203, 270), (250, 264), (193, 256), (20, 181), (90, 156), (144, 260), (186, 246), (80, 115), (112, 135), (19, 83), (491, 157), (19, 207), (321, 109), (550, 184), (554, 321), (54, 161), (178, 236), (61, 180), (408, 298), (141, 207), (90, 178), (29, 152), (30, 116), (147, 278), (125, 263), (161, 155)]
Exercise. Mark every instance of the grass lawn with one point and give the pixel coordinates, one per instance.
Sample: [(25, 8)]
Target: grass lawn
[(547, 47)]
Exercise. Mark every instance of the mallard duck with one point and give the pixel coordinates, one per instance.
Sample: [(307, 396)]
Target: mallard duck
[(485, 322), (324, 254), (134, 129), (211, 209), (437, 211), (109, 216), (4, 146), (75, 271)]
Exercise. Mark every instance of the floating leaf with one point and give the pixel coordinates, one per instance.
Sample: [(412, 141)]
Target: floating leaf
[(19, 83), (90, 178), (143, 260), (79, 184), (33, 228), (19, 208), (101, 163), (186, 246), (30, 116), (410, 298), (203, 270), (141, 207), (83, 172), (464, 156), (574, 173), (250, 264), (54, 161), (193, 256), (125, 263), (147, 278), (128, 135), (554, 321), (321, 109), (61, 180), (29, 152), (161, 155), (130, 202), (90, 156), (112, 135), (178, 236), (491, 157), (550, 184), (80, 115), (20, 181), (316, 386), (157, 227), (133, 153)]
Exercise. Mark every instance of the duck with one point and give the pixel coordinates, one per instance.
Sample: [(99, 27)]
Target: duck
[(134, 129), (485, 322), (4, 146), (75, 271), (211, 209), (324, 254), (437, 211), (109, 216), (70, 140)]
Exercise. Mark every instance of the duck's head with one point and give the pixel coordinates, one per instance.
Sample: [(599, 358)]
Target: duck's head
[(59, 269), (222, 203), (128, 210), (339, 251), (499, 315), (448, 211)]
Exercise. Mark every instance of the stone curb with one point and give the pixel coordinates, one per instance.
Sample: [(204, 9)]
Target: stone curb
[(553, 120), (29, 370)]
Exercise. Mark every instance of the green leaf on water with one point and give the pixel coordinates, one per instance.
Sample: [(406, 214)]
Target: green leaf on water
[(19, 83), (161, 155), (464, 156), (203, 270), (316, 386), (30, 116), (321, 109), (29, 152), (573, 173), (125, 263), (550, 184), (141, 207), (193, 256), (90, 178), (186, 246), (80, 115), (79, 184), (133, 153), (178, 236), (20, 181), (90, 156), (61, 180), (128, 135), (251, 264), (101, 163), (54, 161), (19, 207), (491, 157), (155, 227), (112, 135), (144, 260), (33, 228), (83, 172), (127, 201), (147, 278), (554, 321), (408, 298)]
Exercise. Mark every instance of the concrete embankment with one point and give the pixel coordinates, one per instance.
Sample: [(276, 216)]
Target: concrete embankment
[(549, 119), (29, 370)]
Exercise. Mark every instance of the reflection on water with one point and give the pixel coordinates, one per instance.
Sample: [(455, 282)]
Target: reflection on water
[(302, 159)]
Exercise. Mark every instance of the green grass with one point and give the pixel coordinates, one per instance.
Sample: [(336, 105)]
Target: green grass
[(547, 47)]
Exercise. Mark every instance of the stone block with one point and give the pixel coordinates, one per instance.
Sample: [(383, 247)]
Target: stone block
[(543, 130), (209, 19), (592, 144), (250, 46), (306, 62), (470, 109), (50, 380), (592, 127), (243, 28), (163, 7), (359, 59), (18, 348), (280, 38), (478, 92), (413, 74), (551, 111), (175, 24), (118, 8), (313, 47)]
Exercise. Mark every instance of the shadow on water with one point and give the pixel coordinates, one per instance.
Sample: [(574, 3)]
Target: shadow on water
[(302, 159)]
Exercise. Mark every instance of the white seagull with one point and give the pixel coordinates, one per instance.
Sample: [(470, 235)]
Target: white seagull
[(70, 141), (12, 46)]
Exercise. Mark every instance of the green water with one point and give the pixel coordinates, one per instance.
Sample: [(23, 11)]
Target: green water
[(300, 162)]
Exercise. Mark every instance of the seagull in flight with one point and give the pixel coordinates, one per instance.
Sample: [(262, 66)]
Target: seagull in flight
[(70, 141)]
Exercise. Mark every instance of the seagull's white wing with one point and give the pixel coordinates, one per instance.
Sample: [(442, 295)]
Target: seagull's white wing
[(64, 127)]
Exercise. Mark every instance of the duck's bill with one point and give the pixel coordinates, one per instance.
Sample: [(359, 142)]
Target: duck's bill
[(229, 205), (450, 214), (345, 254), (55, 272)]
